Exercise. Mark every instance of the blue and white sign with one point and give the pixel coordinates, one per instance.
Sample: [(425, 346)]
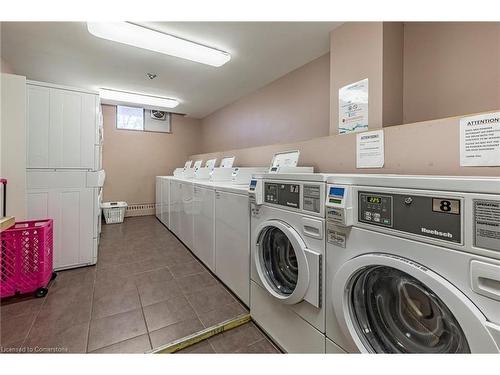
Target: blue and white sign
[(353, 107)]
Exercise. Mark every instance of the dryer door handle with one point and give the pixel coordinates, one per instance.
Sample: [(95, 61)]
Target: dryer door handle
[(485, 279)]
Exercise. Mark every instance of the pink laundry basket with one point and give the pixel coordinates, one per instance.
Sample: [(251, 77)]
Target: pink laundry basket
[(26, 258)]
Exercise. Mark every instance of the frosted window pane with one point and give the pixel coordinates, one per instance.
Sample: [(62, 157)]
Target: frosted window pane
[(130, 118)]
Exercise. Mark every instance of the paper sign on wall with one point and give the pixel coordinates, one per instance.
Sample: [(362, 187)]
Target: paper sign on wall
[(480, 140), (353, 107), (370, 149)]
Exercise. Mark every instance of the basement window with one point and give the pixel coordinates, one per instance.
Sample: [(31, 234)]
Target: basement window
[(129, 118)]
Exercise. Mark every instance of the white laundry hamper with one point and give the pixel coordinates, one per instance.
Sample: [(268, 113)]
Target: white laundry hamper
[(114, 212)]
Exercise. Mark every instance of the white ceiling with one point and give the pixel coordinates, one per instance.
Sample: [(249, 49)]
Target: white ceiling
[(65, 53)]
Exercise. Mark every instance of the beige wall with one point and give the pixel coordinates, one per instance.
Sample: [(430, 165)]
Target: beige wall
[(372, 50), (356, 50), (450, 68), (5, 67), (13, 142), (392, 72), (294, 107), (409, 149), (132, 159)]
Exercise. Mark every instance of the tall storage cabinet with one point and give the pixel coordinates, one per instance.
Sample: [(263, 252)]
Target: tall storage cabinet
[(64, 177), (232, 246), (204, 225), (62, 128)]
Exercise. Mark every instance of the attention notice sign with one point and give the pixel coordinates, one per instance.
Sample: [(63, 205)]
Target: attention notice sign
[(480, 140)]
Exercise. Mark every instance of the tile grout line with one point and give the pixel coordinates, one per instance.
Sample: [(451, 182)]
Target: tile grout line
[(143, 316), (36, 317), (91, 308)]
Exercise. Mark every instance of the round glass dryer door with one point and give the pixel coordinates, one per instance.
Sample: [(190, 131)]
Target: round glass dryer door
[(279, 261), (393, 312)]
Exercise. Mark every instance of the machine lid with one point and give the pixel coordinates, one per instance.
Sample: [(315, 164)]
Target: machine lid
[(227, 162), (197, 164), (285, 159), (281, 261), (210, 163), (388, 304)]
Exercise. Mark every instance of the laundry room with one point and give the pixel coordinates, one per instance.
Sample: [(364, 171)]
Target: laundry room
[(216, 183)]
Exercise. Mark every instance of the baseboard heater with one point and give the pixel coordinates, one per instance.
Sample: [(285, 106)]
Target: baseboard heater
[(140, 209)]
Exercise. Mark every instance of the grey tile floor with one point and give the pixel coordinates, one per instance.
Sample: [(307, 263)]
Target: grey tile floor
[(146, 290), (243, 339)]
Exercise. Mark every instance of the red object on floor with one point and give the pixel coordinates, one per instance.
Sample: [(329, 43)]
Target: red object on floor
[(26, 258)]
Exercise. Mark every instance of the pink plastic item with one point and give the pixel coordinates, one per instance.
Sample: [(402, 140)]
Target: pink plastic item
[(26, 258)]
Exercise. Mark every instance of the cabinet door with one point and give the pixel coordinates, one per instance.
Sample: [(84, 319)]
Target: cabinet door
[(165, 197), (232, 243), (38, 126), (204, 226), (158, 199), (73, 124), (73, 215)]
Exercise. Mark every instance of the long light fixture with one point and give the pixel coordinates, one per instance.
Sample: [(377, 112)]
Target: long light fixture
[(141, 37), (121, 97)]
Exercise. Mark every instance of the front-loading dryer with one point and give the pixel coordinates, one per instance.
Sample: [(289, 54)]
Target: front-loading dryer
[(413, 264), (287, 261)]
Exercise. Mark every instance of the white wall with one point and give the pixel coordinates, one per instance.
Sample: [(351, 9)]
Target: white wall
[(13, 142)]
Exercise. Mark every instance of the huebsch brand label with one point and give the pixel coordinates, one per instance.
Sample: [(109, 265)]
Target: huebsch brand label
[(436, 233), (487, 224)]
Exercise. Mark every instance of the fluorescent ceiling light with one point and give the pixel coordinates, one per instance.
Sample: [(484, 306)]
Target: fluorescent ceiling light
[(141, 37), (117, 97)]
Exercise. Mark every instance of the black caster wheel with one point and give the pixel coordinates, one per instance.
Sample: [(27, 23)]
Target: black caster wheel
[(53, 277), (41, 292)]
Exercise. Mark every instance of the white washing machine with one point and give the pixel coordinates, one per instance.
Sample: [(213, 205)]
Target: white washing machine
[(413, 264), (287, 260), (232, 239)]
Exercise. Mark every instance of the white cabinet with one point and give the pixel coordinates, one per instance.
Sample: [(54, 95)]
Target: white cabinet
[(204, 225), (175, 207), (64, 197), (232, 242), (158, 199), (62, 128), (186, 214), (165, 201)]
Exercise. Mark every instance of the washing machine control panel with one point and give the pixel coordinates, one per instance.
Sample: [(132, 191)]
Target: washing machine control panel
[(298, 196), (437, 217), (282, 194), (375, 209)]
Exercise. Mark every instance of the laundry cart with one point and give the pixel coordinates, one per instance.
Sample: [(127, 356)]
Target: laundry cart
[(26, 258)]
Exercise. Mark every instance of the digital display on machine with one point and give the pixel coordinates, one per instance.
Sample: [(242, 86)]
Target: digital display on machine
[(374, 199), (253, 184), (336, 191), (336, 201)]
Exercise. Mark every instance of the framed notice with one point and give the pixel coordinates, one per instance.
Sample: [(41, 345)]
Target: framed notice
[(353, 107)]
